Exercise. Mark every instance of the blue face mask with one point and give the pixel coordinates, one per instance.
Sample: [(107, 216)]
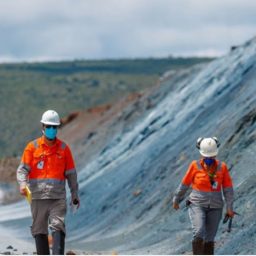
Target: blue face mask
[(50, 133), (209, 161)]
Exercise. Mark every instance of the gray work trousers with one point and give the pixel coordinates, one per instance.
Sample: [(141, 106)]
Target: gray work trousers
[(205, 222), (48, 213)]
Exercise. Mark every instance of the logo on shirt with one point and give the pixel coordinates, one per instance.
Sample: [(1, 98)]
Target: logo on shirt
[(40, 165), (215, 185)]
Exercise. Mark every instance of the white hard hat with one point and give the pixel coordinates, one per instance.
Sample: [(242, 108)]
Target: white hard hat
[(50, 117), (208, 147)]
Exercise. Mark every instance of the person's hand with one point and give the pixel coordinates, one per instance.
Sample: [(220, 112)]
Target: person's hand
[(176, 206), (23, 191), (230, 213), (76, 202)]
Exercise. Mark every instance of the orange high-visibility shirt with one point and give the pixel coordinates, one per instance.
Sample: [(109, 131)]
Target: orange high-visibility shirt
[(198, 178), (48, 162)]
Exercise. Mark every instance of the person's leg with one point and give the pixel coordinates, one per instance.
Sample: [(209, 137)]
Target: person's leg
[(39, 228), (42, 245), (213, 218), (197, 218), (209, 248), (58, 247), (57, 225)]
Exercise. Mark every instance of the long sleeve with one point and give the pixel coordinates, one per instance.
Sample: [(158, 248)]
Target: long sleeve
[(25, 165), (184, 185), (71, 174), (227, 186)]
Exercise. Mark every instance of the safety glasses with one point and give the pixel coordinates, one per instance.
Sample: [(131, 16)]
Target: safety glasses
[(51, 126)]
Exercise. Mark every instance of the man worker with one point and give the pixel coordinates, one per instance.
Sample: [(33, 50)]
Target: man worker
[(45, 165)]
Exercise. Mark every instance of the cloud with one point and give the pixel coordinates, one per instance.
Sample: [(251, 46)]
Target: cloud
[(68, 29)]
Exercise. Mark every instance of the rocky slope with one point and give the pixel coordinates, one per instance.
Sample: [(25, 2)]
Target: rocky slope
[(143, 150), (131, 157)]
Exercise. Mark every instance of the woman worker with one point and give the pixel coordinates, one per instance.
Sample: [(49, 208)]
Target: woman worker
[(209, 178)]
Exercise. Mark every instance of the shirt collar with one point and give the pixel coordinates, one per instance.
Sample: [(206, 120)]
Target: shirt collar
[(43, 142)]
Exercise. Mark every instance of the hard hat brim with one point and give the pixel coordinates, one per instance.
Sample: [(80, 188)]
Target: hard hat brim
[(212, 154), (50, 123)]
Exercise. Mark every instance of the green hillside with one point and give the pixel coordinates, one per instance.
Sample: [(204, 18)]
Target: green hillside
[(27, 90)]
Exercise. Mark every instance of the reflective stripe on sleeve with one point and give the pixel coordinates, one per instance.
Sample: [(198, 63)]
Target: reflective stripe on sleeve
[(24, 166), (68, 172)]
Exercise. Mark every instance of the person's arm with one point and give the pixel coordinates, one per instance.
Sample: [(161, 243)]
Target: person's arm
[(24, 168), (71, 176), (228, 191), (183, 187)]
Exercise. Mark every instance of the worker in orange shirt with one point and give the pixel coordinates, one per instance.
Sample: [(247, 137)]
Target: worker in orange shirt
[(45, 166), (209, 178)]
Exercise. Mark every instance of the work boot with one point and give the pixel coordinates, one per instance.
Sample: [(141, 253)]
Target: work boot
[(209, 248), (198, 246), (58, 243), (42, 246)]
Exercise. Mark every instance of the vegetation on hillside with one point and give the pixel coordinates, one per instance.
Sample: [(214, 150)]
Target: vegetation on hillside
[(28, 89)]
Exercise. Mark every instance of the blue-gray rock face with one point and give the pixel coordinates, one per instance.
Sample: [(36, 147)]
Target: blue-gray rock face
[(127, 188)]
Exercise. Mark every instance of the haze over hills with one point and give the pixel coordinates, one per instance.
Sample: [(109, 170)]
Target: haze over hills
[(132, 155)]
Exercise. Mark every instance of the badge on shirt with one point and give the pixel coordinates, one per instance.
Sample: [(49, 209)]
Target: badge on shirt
[(40, 165), (215, 185)]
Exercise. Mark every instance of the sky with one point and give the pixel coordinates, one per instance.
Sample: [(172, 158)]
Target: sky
[(47, 30)]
